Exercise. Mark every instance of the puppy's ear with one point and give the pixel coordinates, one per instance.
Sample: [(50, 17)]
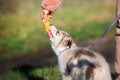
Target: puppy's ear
[(68, 42)]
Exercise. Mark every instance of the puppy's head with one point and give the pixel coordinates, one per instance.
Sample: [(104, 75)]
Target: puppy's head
[(60, 40)]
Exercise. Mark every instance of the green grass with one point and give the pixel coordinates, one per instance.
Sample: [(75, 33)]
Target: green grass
[(13, 75), (22, 31), (90, 30), (19, 34), (46, 73)]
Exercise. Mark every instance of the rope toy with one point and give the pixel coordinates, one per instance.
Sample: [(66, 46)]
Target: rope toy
[(47, 26)]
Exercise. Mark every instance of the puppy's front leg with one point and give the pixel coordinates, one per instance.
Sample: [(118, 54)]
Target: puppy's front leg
[(67, 78)]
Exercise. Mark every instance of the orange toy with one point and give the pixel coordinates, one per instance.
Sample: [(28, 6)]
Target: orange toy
[(47, 26)]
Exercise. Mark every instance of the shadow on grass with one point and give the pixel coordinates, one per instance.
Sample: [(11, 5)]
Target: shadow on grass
[(25, 70), (41, 58), (24, 64), (45, 58)]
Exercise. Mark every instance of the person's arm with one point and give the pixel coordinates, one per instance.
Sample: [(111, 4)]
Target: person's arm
[(49, 6)]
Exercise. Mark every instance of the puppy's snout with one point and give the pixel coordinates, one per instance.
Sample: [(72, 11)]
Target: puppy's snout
[(53, 30)]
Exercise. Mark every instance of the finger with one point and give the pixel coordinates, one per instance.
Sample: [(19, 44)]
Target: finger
[(45, 14), (41, 14)]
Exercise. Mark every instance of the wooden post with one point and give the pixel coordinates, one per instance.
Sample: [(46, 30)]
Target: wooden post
[(117, 56)]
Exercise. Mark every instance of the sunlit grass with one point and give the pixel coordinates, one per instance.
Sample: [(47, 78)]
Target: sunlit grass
[(20, 33), (54, 73), (23, 32)]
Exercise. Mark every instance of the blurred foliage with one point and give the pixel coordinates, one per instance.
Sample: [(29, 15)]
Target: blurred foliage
[(46, 73), (90, 30), (54, 73), (13, 75), (8, 5), (22, 32)]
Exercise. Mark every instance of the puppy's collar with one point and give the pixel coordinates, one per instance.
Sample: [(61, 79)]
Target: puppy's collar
[(61, 52)]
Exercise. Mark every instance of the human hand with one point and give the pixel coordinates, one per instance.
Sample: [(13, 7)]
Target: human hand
[(46, 14)]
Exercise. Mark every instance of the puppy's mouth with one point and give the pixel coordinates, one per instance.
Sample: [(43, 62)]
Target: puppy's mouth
[(53, 31), (50, 32)]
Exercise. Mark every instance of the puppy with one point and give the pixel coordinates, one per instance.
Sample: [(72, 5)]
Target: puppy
[(77, 63)]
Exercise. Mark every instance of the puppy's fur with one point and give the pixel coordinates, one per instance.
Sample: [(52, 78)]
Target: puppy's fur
[(77, 63)]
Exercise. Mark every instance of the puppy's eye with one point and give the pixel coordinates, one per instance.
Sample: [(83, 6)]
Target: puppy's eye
[(57, 32)]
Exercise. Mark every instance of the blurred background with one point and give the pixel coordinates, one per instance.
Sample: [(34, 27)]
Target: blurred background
[(25, 52)]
